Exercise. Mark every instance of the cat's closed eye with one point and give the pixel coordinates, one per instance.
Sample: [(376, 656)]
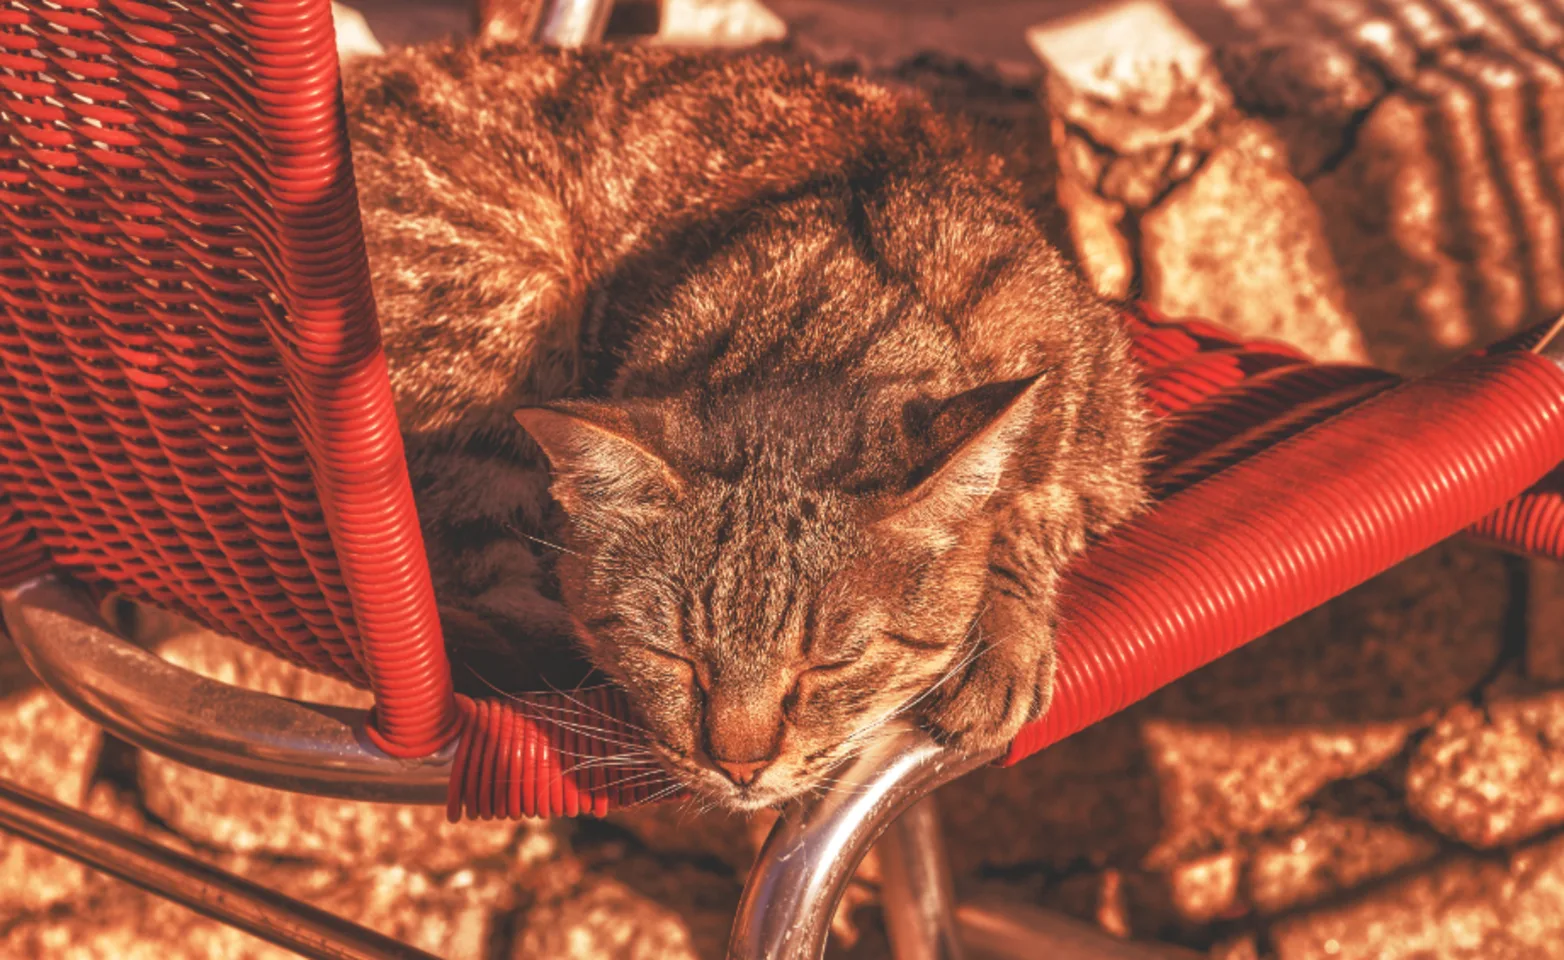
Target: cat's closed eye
[(811, 677), (680, 662), (823, 668)]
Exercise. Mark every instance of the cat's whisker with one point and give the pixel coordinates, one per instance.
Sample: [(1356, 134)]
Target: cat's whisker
[(517, 532), (647, 779), (596, 711), (976, 650), (609, 763), (663, 794), (540, 713)]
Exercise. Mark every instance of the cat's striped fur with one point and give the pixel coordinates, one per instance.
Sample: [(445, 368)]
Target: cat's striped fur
[(836, 414)]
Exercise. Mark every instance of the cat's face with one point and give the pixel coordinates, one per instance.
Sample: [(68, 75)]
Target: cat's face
[(766, 627)]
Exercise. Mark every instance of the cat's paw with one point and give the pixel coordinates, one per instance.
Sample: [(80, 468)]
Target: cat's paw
[(1007, 685)]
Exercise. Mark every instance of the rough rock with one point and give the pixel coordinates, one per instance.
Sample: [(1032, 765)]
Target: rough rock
[(1495, 777), (241, 817), (718, 23), (1096, 223), (449, 914), (1328, 856), (1464, 909), (629, 909), (48, 748), (1207, 888), (354, 37), (1313, 90), (1170, 190), (1238, 948), (670, 829), (1222, 784), (1242, 244), (1545, 621), (1129, 75), (1444, 215), (126, 924), (604, 919), (1238, 748)]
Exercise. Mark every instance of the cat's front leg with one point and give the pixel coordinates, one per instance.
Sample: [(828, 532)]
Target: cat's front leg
[(1004, 682)]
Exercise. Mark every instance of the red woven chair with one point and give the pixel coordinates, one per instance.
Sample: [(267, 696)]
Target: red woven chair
[(197, 415)]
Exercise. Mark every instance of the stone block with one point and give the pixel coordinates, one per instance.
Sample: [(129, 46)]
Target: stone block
[(1492, 777), (1465, 908), (1241, 243)]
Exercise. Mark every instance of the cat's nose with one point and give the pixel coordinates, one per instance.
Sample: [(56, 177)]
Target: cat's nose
[(742, 772)]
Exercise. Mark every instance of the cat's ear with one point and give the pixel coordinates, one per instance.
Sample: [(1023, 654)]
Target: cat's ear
[(601, 458), (999, 420)]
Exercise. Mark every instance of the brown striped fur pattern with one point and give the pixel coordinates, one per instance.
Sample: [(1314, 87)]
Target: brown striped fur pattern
[(811, 414)]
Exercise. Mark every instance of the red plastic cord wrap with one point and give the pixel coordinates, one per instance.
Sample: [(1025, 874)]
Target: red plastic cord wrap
[(1531, 523), (196, 407), (1269, 538), (196, 412), (551, 754)]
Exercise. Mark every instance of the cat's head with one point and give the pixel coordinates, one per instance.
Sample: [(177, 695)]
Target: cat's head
[(766, 604)]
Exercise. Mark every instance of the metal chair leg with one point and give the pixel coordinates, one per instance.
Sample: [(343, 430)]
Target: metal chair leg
[(805, 865), (916, 891), (572, 23), (300, 927)]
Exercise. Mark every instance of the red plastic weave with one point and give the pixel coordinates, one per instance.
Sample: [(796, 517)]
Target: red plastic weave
[(196, 412), (196, 407)]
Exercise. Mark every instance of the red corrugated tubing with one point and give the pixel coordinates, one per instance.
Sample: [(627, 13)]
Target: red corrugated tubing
[(1230, 558), (196, 412), (196, 408)]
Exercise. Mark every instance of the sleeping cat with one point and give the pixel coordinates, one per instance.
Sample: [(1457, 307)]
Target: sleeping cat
[(757, 388)]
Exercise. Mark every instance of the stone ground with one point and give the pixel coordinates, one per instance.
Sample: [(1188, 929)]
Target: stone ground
[(1382, 778)]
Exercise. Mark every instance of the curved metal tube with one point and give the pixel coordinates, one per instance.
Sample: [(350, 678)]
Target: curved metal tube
[(275, 742), (804, 867), (916, 891), (572, 23)]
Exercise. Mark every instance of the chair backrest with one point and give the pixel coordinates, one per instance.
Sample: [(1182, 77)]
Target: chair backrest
[(196, 406)]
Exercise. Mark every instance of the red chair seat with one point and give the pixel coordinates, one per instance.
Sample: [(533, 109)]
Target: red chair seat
[(196, 412)]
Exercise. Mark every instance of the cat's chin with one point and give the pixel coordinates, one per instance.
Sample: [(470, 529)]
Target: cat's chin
[(718, 794), (724, 797)]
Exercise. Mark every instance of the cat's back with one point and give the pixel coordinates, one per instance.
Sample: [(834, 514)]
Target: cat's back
[(620, 136), (503, 188)]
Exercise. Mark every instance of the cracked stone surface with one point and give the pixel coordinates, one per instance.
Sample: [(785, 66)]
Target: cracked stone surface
[(1328, 856), (1463, 909), (450, 917), (1492, 777), (1241, 243), (50, 749), (1237, 747), (1404, 198), (626, 916)]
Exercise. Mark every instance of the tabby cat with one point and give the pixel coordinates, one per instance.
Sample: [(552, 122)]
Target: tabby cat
[(811, 415)]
